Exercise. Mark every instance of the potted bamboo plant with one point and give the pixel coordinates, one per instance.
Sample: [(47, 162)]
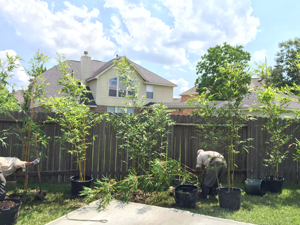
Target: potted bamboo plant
[(222, 121), (73, 114), (273, 103)]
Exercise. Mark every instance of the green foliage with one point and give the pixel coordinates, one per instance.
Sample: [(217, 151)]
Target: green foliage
[(286, 59), (273, 103), (211, 79), (297, 111), (27, 128), (161, 175), (277, 78), (37, 87), (222, 121), (143, 141), (8, 101), (73, 115)]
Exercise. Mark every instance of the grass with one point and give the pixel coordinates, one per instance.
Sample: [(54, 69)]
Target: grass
[(269, 209), (58, 202), (280, 209)]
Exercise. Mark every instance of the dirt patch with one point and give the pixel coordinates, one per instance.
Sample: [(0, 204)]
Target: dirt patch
[(6, 204), (139, 197)]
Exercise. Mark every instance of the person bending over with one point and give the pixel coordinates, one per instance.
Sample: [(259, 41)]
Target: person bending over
[(8, 165), (215, 166)]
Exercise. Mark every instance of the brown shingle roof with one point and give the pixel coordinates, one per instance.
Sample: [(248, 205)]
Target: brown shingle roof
[(191, 91), (146, 74), (53, 75), (255, 82)]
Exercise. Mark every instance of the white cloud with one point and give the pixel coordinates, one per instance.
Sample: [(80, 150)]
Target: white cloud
[(202, 24), (70, 31), (146, 36), (182, 86), (19, 77), (197, 25), (259, 56)]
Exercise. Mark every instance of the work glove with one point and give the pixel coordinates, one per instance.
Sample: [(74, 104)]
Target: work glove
[(36, 161)]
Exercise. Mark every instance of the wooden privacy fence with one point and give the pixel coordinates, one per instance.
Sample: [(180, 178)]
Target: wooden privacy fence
[(104, 158)]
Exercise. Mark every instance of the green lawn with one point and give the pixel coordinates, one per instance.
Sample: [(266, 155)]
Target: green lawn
[(58, 202), (272, 209), (269, 209)]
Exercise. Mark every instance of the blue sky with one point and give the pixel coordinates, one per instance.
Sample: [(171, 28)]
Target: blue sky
[(167, 37)]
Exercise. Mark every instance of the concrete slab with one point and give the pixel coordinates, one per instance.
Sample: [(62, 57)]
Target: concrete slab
[(137, 214)]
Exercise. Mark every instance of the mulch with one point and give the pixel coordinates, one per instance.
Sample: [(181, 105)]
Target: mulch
[(6, 204)]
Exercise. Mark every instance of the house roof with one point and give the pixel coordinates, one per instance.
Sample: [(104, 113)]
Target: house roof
[(255, 82), (250, 101), (152, 77), (191, 91), (53, 75), (148, 76), (90, 97)]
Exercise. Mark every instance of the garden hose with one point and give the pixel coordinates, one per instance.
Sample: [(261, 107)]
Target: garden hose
[(101, 221)]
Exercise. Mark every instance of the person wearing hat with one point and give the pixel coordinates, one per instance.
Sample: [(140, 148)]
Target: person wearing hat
[(215, 166), (9, 165)]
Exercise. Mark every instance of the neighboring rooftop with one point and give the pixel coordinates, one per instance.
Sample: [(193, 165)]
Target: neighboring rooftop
[(255, 82), (191, 91)]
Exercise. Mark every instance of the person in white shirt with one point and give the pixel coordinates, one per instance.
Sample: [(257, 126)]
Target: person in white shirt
[(9, 165), (215, 166)]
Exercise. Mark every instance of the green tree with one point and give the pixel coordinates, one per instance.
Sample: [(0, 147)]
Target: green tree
[(29, 131), (8, 101), (35, 85), (286, 61), (273, 103), (208, 69), (221, 123), (276, 78), (73, 115)]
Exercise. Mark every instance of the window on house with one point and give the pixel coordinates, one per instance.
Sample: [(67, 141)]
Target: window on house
[(131, 88), (121, 110), (110, 109), (122, 88), (115, 109), (130, 110), (113, 87), (149, 91)]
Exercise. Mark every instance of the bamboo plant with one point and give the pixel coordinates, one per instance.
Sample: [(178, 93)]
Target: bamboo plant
[(73, 114), (273, 103), (222, 120)]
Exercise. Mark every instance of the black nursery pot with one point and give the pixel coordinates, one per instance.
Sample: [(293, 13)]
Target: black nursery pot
[(230, 199), (10, 215), (274, 186), (255, 187), (77, 185), (185, 195)]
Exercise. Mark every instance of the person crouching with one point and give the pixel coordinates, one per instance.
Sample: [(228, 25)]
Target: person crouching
[(215, 166)]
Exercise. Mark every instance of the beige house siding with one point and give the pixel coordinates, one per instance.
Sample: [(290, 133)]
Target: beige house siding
[(93, 87), (160, 93)]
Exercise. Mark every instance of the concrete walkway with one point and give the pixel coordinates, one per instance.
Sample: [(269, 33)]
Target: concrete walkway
[(118, 213)]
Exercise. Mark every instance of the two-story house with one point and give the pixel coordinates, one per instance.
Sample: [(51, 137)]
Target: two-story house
[(101, 78)]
